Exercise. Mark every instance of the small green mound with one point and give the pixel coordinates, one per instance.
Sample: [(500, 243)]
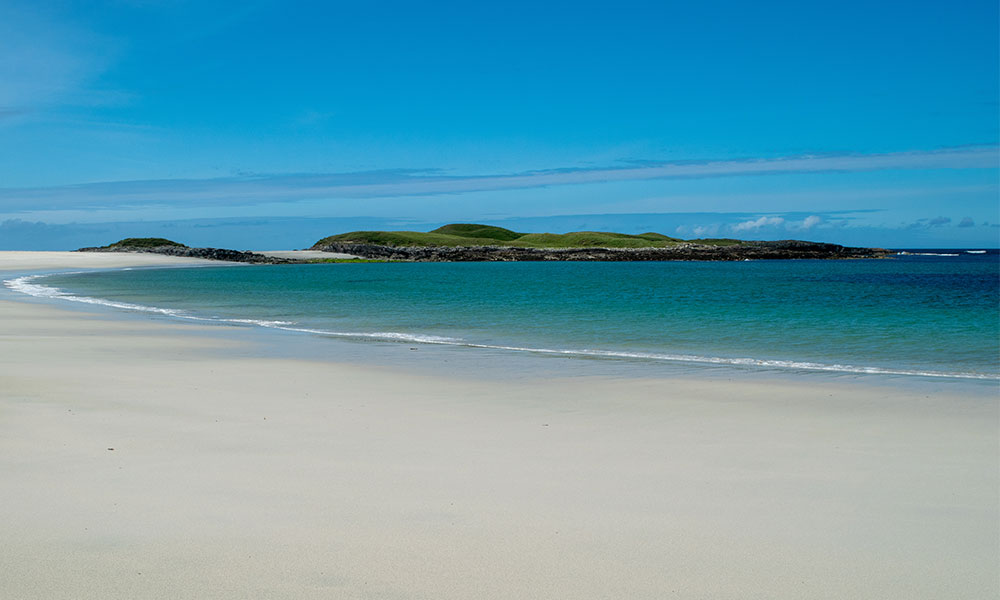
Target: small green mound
[(144, 243), (657, 237), (473, 230)]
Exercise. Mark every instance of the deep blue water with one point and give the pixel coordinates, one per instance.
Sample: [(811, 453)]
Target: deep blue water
[(913, 314)]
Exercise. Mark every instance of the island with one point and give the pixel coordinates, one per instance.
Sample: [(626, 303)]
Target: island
[(468, 242), (462, 242)]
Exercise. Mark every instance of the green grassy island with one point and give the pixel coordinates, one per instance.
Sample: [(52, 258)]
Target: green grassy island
[(471, 234), (473, 242), (142, 243), (467, 242)]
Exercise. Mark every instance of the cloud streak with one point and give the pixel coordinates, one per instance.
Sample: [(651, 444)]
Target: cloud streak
[(251, 190), (757, 224)]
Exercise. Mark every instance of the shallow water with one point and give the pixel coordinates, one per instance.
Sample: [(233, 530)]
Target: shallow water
[(933, 314)]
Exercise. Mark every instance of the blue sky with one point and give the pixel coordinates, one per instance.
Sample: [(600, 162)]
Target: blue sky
[(275, 123)]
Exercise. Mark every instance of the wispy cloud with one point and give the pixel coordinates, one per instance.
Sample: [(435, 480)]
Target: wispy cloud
[(757, 224), (11, 113), (811, 221), (740, 224), (926, 223), (258, 189)]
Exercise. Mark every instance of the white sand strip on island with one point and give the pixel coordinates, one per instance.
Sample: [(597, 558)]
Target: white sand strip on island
[(139, 461)]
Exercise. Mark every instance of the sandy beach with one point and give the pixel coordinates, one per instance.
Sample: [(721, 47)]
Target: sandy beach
[(151, 459)]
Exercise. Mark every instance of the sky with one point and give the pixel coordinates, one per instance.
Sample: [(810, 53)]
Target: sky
[(265, 125)]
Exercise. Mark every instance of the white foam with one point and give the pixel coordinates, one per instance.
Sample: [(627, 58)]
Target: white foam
[(383, 335), (750, 362), (924, 254), (975, 251), (260, 322), (683, 358), (26, 285)]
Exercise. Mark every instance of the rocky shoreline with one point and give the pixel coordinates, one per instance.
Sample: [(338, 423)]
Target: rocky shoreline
[(209, 253), (781, 250), (787, 249)]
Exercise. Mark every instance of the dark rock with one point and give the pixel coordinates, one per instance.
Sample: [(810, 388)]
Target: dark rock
[(209, 253), (785, 249)]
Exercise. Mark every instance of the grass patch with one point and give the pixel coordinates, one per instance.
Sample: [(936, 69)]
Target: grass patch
[(589, 239), (144, 243), (401, 238), (472, 230), (471, 234), (658, 237)]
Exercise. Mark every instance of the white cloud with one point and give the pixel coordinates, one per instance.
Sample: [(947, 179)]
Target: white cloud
[(757, 224), (706, 230), (811, 221)]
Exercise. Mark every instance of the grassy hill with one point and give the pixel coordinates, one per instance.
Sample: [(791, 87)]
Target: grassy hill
[(144, 243), (472, 230), (470, 234)]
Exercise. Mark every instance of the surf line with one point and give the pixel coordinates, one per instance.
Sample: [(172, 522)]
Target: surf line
[(27, 285)]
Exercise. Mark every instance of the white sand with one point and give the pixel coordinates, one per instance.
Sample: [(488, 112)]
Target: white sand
[(241, 477), (44, 261)]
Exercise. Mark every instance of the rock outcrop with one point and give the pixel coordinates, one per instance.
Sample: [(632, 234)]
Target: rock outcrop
[(209, 253), (786, 249)]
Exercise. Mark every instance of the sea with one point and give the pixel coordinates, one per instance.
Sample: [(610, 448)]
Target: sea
[(921, 314)]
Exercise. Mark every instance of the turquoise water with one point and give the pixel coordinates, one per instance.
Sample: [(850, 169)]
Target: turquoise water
[(930, 315)]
